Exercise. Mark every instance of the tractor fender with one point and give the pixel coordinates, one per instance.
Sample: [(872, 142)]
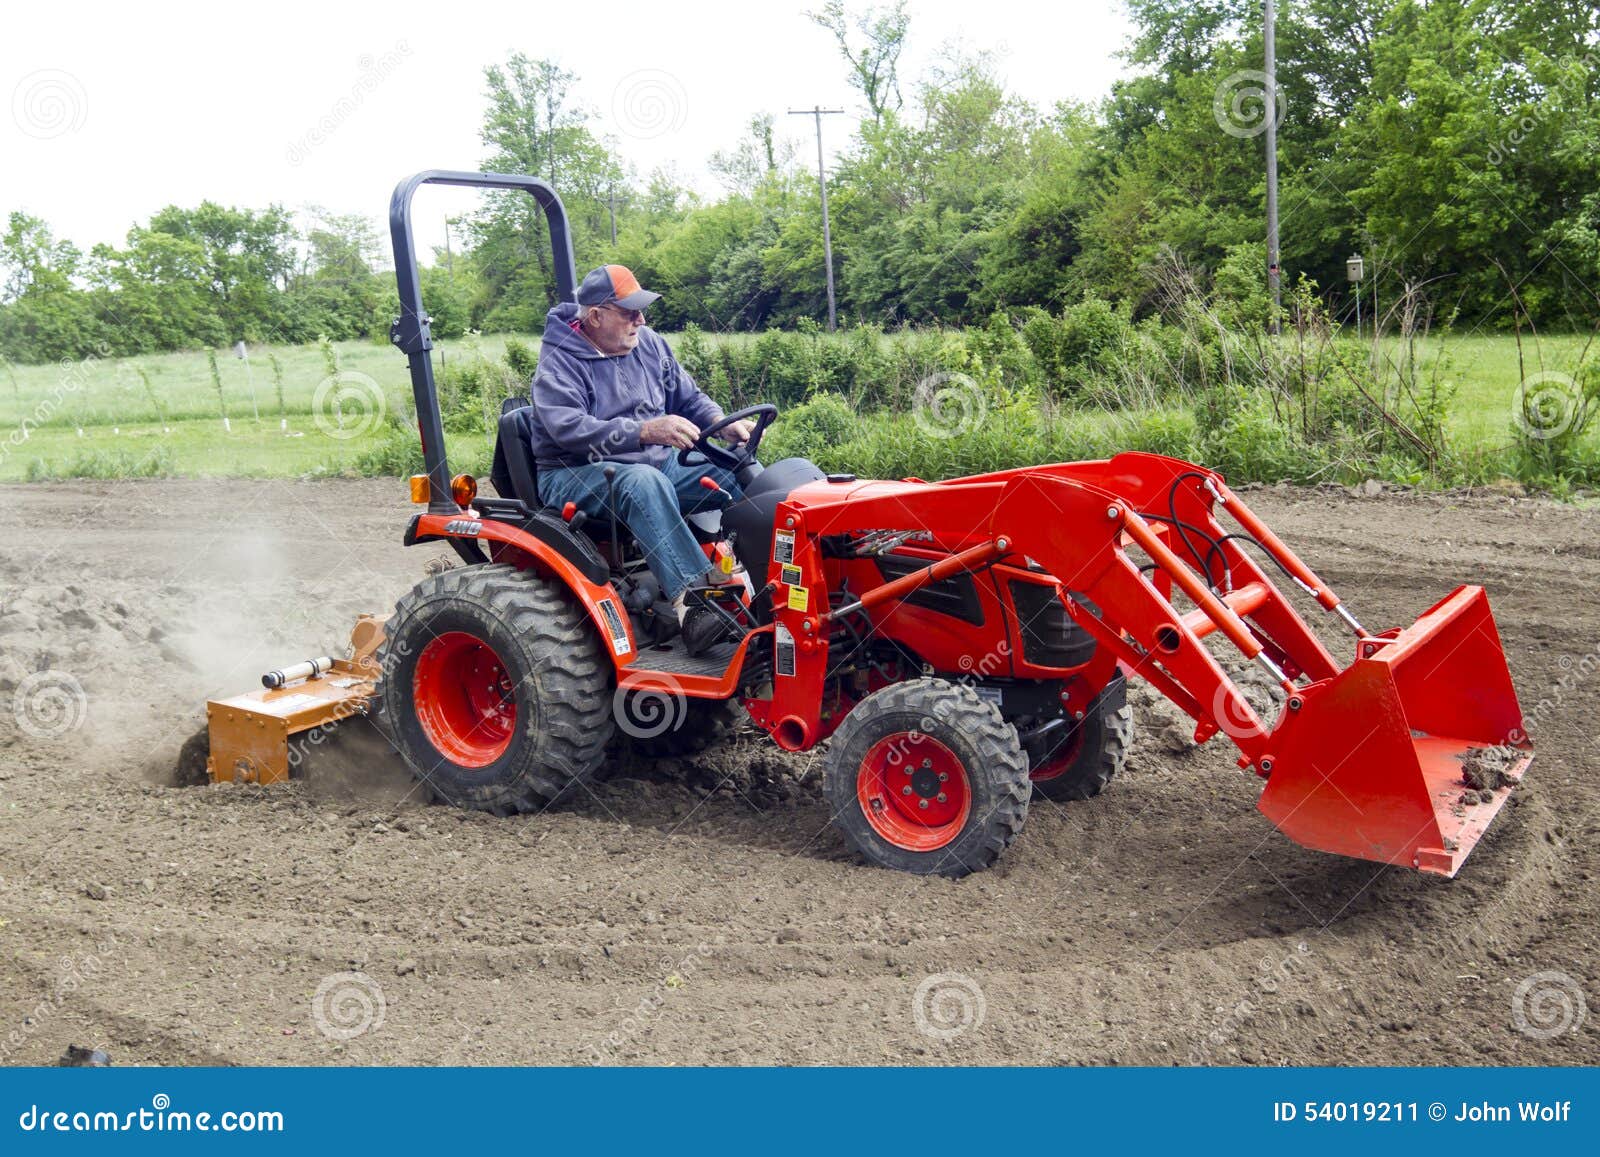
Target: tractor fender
[(600, 601)]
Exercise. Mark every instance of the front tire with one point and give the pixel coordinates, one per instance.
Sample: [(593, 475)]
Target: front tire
[(926, 777), (1085, 757), (495, 689)]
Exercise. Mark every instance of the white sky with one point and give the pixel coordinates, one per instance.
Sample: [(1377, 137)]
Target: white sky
[(119, 109)]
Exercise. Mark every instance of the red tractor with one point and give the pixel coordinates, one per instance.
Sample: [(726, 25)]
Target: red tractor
[(962, 645)]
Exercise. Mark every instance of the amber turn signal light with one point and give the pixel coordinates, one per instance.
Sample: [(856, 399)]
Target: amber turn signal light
[(463, 488), (419, 488)]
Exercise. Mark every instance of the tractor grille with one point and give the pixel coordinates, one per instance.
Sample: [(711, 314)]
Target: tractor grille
[(956, 596)]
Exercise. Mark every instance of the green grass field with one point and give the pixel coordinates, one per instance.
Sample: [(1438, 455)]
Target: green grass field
[(100, 419)]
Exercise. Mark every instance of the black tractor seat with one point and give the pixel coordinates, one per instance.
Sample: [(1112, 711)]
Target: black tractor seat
[(515, 474)]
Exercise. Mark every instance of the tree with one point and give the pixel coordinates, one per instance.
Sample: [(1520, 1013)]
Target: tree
[(34, 261), (875, 64), (532, 125), (244, 256)]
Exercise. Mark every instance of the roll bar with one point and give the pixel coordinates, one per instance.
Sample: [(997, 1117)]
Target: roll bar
[(410, 333)]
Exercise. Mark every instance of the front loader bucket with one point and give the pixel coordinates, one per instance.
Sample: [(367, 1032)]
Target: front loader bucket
[(1407, 755)]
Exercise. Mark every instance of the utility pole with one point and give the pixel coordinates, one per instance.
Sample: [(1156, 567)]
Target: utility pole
[(1274, 273), (449, 258), (611, 199), (818, 112)]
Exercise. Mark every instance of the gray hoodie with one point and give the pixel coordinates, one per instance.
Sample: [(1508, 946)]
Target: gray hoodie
[(588, 407)]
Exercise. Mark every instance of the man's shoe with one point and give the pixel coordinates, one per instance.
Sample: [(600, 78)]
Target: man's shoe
[(706, 622)]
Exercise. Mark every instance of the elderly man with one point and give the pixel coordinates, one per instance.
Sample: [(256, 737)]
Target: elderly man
[(609, 392)]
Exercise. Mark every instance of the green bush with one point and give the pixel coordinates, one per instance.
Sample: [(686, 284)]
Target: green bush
[(1242, 437), (521, 359), (1174, 433), (1087, 340), (107, 465), (811, 429)]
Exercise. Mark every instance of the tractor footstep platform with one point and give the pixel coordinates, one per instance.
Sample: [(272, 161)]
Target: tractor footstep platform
[(673, 658)]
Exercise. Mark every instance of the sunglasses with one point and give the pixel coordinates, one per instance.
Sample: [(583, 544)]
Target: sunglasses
[(629, 314)]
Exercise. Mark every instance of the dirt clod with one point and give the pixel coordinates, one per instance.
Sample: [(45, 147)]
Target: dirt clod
[(1485, 768)]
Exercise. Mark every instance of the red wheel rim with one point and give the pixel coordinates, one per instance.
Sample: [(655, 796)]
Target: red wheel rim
[(464, 699), (1061, 759), (914, 791)]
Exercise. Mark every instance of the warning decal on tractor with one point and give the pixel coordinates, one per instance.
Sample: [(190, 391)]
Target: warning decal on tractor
[(791, 576), (619, 633), (798, 598), (783, 546), (785, 640)]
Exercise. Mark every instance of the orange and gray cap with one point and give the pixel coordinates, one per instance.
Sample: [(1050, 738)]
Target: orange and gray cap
[(614, 285)]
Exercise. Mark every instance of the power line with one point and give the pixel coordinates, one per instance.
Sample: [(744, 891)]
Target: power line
[(817, 111), (1274, 273)]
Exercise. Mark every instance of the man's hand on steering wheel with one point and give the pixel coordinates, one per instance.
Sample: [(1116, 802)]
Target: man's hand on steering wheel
[(742, 429)]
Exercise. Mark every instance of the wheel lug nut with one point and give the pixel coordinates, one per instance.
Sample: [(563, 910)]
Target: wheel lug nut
[(922, 803), (927, 763), (943, 776), (906, 790)]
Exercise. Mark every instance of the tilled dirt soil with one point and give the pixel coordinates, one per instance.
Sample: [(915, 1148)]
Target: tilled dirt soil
[(704, 912)]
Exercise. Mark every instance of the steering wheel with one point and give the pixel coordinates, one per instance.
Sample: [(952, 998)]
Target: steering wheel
[(731, 460)]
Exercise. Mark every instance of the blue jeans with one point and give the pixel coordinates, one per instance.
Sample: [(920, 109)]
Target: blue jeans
[(652, 502)]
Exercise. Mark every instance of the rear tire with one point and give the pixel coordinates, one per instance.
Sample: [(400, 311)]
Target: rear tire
[(495, 689), (1083, 760), (926, 777)]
